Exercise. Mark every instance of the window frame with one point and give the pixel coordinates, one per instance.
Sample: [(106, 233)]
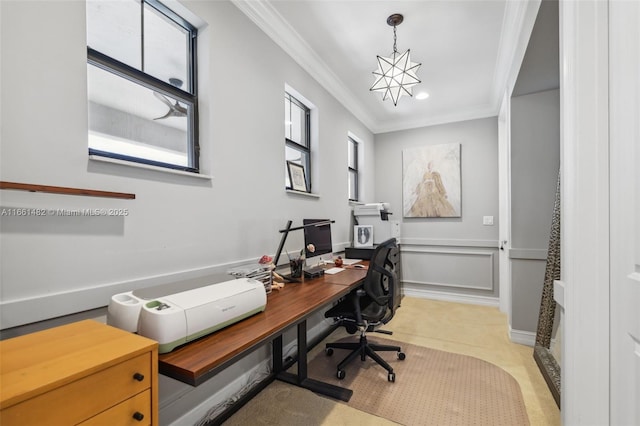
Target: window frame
[(136, 76), (306, 162), (354, 171)]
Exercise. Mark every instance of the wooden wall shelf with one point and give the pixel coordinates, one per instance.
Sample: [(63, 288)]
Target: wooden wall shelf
[(65, 190)]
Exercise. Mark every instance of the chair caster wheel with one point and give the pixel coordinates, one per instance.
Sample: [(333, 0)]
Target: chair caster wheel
[(401, 356), (341, 374), (328, 351), (391, 377)]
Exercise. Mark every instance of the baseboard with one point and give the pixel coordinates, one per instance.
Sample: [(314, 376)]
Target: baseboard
[(527, 338), (452, 297)]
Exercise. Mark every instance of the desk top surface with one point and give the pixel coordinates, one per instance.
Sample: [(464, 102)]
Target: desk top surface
[(195, 362)]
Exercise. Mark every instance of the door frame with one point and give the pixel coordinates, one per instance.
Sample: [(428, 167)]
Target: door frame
[(504, 204), (624, 107), (584, 154)]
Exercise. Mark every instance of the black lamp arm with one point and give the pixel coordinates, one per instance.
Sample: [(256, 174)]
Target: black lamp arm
[(288, 228)]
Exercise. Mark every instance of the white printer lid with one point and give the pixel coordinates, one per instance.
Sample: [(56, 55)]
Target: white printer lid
[(192, 298), (370, 209)]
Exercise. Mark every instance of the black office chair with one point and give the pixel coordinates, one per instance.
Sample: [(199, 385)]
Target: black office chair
[(370, 307)]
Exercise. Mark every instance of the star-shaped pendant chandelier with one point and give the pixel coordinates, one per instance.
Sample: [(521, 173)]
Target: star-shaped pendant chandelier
[(396, 75)]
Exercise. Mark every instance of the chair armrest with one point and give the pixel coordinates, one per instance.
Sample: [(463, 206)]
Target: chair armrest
[(357, 295)]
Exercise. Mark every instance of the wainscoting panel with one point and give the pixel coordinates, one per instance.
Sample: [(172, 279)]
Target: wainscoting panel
[(449, 268)]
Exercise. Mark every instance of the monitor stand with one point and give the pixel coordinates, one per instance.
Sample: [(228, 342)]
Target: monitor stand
[(313, 272)]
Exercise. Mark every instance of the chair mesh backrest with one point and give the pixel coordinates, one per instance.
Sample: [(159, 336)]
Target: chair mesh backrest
[(393, 259), (381, 283)]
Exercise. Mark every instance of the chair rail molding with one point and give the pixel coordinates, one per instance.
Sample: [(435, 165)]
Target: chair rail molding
[(19, 312), (447, 242)]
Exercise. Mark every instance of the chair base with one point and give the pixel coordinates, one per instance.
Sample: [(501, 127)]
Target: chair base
[(364, 349)]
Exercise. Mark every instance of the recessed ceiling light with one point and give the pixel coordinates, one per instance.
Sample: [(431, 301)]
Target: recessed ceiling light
[(422, 95)]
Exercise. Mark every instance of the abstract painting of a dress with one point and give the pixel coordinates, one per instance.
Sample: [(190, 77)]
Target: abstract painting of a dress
[(431, 181)]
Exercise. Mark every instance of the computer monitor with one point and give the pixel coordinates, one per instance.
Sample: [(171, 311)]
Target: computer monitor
[(320, 237)]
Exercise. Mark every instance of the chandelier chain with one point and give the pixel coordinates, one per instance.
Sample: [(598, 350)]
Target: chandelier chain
[(394, 39)]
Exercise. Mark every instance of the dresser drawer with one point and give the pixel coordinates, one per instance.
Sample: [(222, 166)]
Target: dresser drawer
[(135, 411), (83, 398)]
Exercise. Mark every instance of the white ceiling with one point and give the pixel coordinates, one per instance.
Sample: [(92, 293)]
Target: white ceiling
[(468, 50)]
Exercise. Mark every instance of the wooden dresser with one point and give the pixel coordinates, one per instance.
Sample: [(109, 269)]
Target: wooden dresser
[(82, 373)]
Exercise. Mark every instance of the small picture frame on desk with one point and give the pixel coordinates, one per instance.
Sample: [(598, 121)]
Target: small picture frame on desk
[(363, 236), (297, 176)]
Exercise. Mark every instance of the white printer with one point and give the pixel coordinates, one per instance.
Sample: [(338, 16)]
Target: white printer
[(177, 318), (377, 215)]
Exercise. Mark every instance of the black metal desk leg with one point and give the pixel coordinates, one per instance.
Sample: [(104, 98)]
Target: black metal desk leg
[(301, 378), (277, 354), (302, 351)]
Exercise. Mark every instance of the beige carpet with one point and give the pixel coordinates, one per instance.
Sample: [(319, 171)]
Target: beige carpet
[(432, 387), (472, 330), (282, 404)]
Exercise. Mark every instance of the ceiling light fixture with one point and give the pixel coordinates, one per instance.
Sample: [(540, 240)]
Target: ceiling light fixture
[(396, 75)]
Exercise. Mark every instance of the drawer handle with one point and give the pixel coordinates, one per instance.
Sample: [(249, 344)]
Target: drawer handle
[(138, 416), (139, 377)]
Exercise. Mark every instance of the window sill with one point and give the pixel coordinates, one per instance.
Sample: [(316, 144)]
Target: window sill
[(302, 194), (148, 167)]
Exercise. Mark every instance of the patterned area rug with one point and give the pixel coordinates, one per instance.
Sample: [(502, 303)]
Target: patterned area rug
[(432, 387)]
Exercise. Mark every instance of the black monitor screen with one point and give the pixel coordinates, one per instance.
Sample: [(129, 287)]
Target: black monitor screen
[(319, 236)]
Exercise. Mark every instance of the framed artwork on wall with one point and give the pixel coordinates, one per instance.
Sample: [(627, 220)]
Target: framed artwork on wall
[(297, 176), (431, 184), (363, 236)]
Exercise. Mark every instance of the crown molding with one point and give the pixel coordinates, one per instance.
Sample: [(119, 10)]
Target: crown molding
[(267, 18), (467, 114), (517, 25)]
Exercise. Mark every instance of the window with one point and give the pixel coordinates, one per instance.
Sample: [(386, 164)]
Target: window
[(297, 131), (142, 88), (353, 169)]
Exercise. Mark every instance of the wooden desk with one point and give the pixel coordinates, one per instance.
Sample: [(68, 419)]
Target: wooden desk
[(200, 360)]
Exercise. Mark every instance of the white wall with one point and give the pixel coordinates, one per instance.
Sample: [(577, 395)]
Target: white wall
[(453, 258), (535, 162), (177, 224)]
